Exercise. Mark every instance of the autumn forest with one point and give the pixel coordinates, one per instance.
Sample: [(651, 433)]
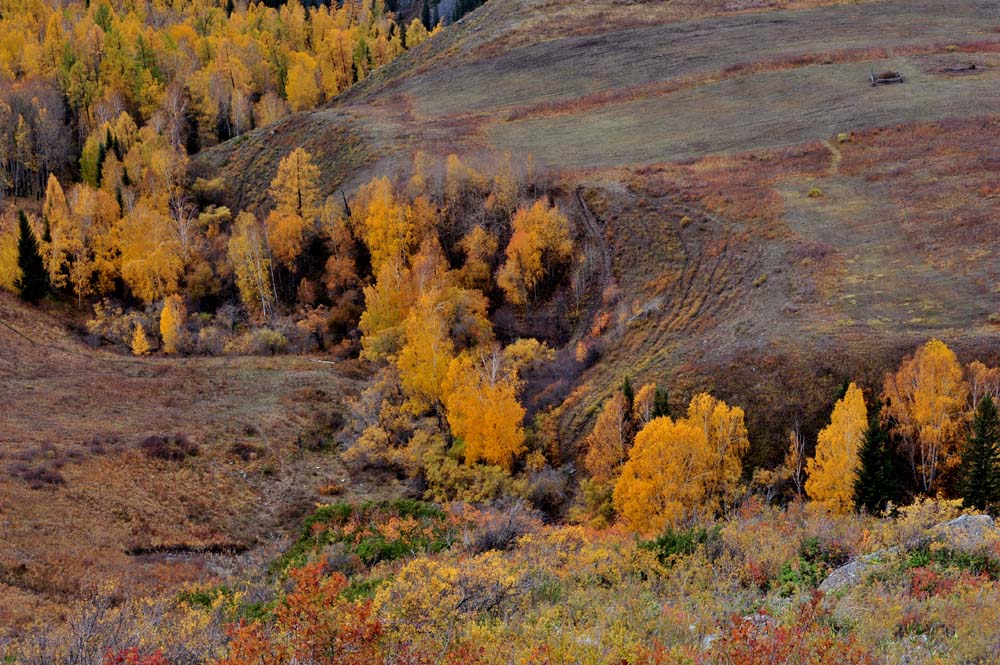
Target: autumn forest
[(422, 331)]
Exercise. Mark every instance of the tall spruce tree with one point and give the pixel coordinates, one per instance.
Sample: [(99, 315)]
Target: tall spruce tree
[(980, 480), (33, 283), (629, 392), (661, 403), (878, 481), (425, 15)]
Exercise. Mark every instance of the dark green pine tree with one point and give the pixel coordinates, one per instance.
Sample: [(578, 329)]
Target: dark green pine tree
[(629, 393), (661, 403), (878, 482), (980, 479), (425, 14), (33, 283)]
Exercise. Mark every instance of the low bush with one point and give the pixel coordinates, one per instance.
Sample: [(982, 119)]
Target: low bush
[(172, 448)]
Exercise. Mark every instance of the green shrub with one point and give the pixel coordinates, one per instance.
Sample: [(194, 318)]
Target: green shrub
[(681, 543)]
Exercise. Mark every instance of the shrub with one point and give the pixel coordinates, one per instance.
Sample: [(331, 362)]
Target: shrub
[(815, 193), (372, 531), (450, 480), (257, 342), (173, 448), (682, 542), (247, 451)]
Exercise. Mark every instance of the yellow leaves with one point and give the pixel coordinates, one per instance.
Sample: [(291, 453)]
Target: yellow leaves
[(294, 187), (834, 469), (140, 343), (427, 352), (540, 243), (662, 483), (10, 272), (150, 256), (678, 469), (248, 256), (172, 323), (927, 396), (483, 410), (726, 435), (302, 89), (386, 225)]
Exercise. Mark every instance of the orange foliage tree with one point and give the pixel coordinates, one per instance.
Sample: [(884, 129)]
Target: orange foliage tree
[(679, 469), (927, 397), (539, 244), (313, 624)]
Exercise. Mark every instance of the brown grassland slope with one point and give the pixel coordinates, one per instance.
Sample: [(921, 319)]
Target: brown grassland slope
[(777, 225), (83, 500)]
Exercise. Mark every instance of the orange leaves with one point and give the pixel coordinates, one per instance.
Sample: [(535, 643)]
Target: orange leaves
[(681, 468), (662, 483), (927, 396), (540, 244), (287, 235), (607, 444), (483, 410), (834, 469), (313, 624)]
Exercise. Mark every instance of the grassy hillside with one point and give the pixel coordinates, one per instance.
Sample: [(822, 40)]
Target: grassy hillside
[(84, 499), (771, 216)]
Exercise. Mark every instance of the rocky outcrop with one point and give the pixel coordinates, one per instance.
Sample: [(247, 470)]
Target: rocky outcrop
[(966, 533)]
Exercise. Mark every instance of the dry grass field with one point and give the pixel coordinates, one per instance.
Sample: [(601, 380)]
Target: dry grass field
[(84, 500)]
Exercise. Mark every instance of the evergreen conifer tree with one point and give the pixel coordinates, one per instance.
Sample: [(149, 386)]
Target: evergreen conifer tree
[(425, 15), (980, 480), (661, 403), (877, 483), (34, 281)]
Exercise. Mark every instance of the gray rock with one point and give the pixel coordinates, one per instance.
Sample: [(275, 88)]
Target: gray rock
[(854, 571), (965, 533)]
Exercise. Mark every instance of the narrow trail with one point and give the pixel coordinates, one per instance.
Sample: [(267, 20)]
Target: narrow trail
[(835, 157), (605, 274)]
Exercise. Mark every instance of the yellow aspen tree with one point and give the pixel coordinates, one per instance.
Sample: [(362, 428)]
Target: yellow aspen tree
[(303, 89), (644, 404), (10, 272), (286, 234), (726, 435), (834, 469), (150, 257), (608, 443), (479, 246), (140, 343), (540, 242), (172, 320), (983, 382), (482, 408), (386, 226), (927, 397), (426, 355), (251, 264), (662, 483), (55, 213), (387, 303), (416, 33)]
